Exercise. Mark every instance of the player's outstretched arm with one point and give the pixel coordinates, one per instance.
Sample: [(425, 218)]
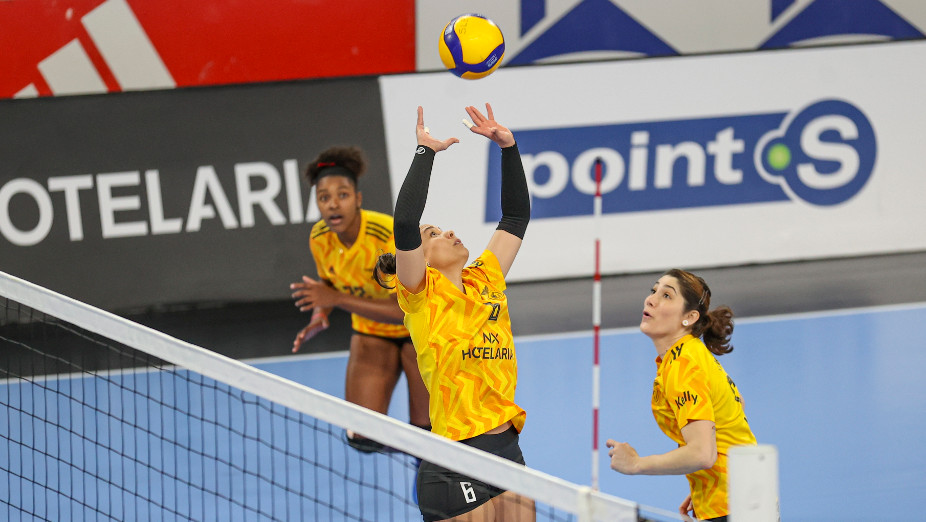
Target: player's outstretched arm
[(410, 263), (516, 204)]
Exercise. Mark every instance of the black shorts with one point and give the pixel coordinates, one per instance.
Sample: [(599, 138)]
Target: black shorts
[(399, 342), (443, 493)]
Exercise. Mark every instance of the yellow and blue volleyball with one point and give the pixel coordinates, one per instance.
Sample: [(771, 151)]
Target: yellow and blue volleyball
[(471, 46)]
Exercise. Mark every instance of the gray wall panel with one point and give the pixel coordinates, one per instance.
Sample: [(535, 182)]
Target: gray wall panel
[(184, 135)]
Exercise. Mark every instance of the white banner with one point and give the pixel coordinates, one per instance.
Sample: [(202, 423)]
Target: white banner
[(559, 31), (708, 161)]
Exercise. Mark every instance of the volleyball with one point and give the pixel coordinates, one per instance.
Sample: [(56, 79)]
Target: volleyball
[(471, 46)]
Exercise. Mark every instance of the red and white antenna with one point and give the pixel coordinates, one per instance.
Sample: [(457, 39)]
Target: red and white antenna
[(596, 324)]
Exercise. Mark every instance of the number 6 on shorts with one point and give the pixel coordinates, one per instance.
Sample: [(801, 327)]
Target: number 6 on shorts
[(468, 493)]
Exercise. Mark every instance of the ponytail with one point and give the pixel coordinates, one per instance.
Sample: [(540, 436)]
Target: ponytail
[(714, 327), (716, 330), (384, 270)]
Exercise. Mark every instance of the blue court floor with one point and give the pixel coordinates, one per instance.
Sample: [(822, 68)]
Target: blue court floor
[(837, 392)]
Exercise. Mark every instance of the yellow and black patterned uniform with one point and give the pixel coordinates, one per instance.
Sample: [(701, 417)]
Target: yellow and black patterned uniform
[(351, 269), (465, 349), (691, 385)]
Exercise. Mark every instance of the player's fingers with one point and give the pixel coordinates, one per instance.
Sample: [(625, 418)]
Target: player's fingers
[(482, 130), (474, 113), (685, 506), (469, 112), (420, 116), (489, 111), (297, 343), (306, 334)]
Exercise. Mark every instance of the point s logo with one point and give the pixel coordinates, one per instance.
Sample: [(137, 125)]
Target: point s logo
[(822, 154)]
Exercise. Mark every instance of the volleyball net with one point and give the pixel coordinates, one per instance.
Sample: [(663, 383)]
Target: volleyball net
[(103, 418)]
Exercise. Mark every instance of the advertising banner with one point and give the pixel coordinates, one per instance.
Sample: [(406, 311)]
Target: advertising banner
[(557, 31), (179, 196), (707, 161), (55, 48), (50, 48)]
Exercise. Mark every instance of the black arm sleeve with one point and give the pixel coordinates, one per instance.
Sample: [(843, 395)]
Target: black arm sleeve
[(412, 196), (516, 199)]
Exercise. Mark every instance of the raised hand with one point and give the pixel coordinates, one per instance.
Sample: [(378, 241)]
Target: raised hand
[(623, 457), (425, 138), (319, 323), (310, 293), (686, 510), (488, 127)]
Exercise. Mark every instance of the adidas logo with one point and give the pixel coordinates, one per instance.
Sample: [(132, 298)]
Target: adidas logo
[(128, 56)]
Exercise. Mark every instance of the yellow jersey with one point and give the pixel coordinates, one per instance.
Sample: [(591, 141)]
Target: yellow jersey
[(350, 269), (465, 348), (691, 385)]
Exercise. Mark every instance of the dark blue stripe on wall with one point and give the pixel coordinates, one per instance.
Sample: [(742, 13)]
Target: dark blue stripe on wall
[(594, 25), (838, 17), (532, 12), (779, 6)]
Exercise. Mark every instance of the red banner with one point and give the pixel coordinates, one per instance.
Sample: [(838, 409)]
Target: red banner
[(93, 46)]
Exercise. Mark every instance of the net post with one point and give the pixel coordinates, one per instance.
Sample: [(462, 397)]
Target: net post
[(584, 513), (753, 483)]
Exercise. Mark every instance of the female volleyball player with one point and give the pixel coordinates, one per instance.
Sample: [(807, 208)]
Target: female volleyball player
[(458, 319), (345, 243), (695, 402)]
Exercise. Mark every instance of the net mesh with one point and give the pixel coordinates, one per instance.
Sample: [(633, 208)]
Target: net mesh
[(105, 419), (102, 430)]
